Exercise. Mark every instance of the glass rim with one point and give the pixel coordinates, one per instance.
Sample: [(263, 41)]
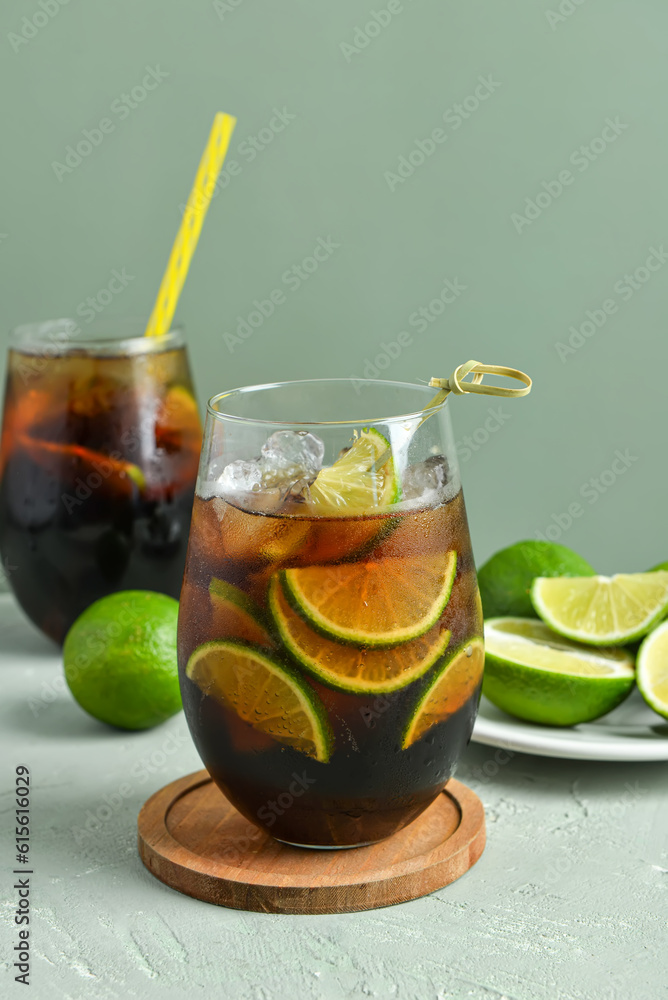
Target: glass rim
[(213, 402), (58, 337)]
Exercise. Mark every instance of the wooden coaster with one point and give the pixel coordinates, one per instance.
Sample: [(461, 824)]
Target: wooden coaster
[(194, 840)]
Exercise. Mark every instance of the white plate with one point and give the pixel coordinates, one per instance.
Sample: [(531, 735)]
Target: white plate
[(632, 732)]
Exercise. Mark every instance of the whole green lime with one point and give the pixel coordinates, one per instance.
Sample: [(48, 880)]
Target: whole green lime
[(120, 659), (505, 579), (662, 566)]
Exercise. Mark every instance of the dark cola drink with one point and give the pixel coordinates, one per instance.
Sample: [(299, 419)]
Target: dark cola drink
[(395, 719)]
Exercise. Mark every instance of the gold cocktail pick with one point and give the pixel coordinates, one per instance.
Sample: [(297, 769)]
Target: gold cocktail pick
[(455, 383)]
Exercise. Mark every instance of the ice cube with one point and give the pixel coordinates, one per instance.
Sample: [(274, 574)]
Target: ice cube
[(240, 477), (240, 482), (290, 461), (291, 456), (424, 478)]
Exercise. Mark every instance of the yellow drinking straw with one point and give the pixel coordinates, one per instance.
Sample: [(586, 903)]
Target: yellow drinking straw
[(191, 224)]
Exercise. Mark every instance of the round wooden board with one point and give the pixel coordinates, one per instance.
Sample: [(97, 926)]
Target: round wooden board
[(194, 840)]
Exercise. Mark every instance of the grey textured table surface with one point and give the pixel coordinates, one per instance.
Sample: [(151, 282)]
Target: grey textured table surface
[(569, 901)]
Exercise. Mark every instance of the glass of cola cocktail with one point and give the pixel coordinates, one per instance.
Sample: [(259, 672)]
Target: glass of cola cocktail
[(330, 628)]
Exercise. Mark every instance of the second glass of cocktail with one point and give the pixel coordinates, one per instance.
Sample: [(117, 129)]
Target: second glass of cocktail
[(98, 457), (330, 629)]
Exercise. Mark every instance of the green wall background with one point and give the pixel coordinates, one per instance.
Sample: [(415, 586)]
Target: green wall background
[(353, 101)]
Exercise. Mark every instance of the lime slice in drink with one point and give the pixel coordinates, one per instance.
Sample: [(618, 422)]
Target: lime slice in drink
[(266, 694), (652, 670), (381, 603), (236, 615), (505, 579), (353, 484), (360, 670), (535, 674), (455, 682), (602, 610)]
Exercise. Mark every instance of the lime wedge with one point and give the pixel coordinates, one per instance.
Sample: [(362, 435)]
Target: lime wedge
[(353, 483), (373, 603), (652, 669), (264, 693), (537, 675), (359, 670), (602, 610), (451, 688), (236, 615)]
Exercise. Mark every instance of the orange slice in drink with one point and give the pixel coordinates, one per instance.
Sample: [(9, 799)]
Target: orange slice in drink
[(373, 603), (31, 408), (235, 615), (73, 461), (359, 670), (266, 694), (451, 688)]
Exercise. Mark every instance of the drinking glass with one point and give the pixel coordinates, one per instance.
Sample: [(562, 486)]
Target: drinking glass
[(98, 460), (330, 626)]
